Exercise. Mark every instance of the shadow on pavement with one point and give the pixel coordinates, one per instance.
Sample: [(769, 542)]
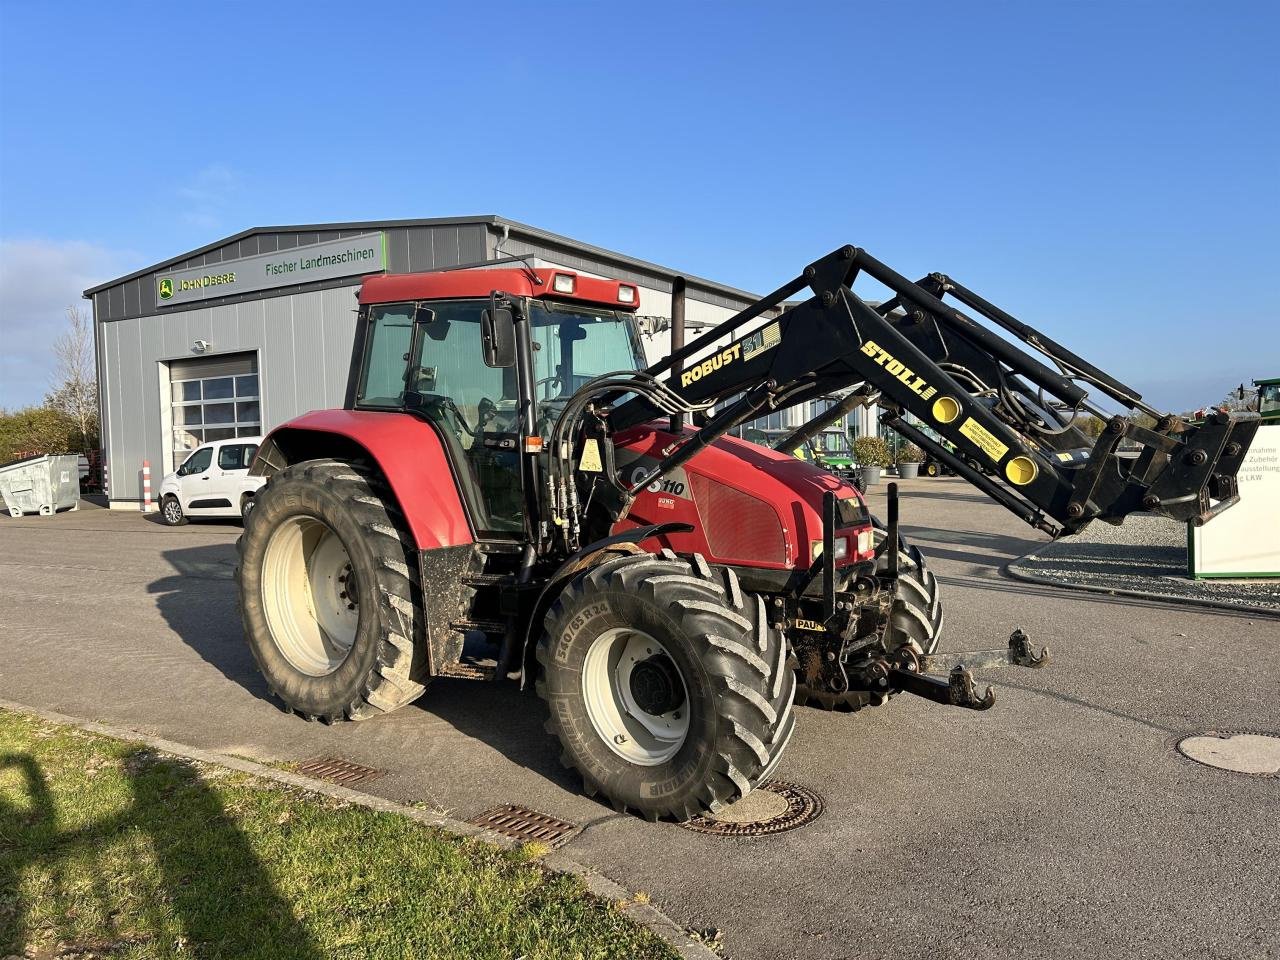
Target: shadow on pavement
[(199, 604), (210, 880)]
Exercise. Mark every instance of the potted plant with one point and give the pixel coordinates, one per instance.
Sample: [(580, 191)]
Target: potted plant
[(909, 459), (872, 455)]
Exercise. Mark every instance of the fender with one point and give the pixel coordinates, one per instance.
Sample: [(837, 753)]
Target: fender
[(580, 561), (406, 450)]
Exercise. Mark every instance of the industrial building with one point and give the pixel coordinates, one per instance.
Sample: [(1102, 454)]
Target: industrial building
[(251, 330)]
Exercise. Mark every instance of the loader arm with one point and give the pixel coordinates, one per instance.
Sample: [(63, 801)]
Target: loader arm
[(995, 403)]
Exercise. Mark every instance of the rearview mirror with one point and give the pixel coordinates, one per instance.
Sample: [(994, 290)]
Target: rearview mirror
[(498, 335)]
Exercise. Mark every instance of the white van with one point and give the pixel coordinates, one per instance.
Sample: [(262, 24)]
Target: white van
[(213, 482)]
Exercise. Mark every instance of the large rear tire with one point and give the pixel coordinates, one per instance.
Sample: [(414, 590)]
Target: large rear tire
[(916, 615), (669, 691), (329, 597)]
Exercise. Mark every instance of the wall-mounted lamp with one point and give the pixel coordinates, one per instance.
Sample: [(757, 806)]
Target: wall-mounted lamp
[(200, 346)]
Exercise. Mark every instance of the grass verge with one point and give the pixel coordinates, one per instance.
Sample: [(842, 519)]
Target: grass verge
[(109, 849)]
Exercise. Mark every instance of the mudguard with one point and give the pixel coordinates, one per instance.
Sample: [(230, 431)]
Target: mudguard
[(407, 450)]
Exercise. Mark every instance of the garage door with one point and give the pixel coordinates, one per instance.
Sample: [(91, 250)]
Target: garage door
[(214, 398)]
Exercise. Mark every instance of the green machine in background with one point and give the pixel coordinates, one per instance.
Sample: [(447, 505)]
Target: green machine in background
[(1268, 399)]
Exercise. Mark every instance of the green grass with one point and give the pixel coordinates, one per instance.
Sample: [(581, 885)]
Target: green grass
[(108, 849)]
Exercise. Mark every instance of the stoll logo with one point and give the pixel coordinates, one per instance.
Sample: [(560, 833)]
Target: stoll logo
[(166, 288)]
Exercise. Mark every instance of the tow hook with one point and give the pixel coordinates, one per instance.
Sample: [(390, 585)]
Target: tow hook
[(911, 673)]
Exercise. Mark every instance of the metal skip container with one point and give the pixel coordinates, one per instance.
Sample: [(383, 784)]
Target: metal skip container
[(42, 485)]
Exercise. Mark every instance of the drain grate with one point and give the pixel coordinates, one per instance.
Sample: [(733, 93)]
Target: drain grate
[(1239, 751), (521, 823), (339, 771), (802, 806)]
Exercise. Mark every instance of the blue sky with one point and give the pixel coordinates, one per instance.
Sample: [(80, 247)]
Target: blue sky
[(1109, 172)]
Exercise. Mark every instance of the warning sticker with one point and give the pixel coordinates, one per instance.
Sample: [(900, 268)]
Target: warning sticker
[(590, 460), (984, 438), (1064, 457)]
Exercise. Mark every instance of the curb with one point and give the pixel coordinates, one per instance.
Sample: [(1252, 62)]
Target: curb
[(596, 883), (1009, 571)]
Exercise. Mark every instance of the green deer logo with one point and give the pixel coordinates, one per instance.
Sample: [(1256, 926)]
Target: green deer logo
[(166, 288)]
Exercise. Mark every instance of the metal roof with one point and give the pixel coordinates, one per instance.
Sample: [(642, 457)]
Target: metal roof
[(491, 220)]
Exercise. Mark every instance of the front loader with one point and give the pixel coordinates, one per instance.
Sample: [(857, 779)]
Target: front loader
[(503, 468)]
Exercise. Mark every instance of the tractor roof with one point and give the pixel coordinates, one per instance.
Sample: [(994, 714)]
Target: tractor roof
[(553, 283)]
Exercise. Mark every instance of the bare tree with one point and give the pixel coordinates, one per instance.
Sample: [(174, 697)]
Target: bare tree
[(75, 381)]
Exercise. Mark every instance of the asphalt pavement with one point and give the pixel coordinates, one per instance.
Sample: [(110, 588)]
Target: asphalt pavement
[(1061, 823)]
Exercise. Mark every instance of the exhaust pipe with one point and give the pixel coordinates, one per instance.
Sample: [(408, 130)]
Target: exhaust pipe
[(677, 337)]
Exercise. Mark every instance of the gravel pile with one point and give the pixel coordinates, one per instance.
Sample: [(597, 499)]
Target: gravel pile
[(1145, 555)]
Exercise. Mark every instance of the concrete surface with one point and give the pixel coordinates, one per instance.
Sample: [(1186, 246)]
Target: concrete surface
[(1062, 823), (1146, 555)]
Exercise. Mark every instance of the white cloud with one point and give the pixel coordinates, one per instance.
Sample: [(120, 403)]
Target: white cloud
[(204, 199), (39, 279)]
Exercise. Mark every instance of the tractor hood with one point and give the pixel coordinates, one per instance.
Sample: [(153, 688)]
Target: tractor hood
[(749, 505)]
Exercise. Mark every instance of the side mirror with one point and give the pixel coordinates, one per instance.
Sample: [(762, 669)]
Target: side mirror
[(498, 335)]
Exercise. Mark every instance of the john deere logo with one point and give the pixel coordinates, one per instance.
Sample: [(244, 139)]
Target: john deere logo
[(166, 288)]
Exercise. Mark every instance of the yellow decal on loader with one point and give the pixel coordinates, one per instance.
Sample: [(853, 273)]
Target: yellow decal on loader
[(721, 359), (898, 369), (987, 441), (801, 624)]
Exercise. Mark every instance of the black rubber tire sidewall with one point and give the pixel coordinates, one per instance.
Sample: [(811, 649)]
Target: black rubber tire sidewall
[(665, 785), (329, 695)]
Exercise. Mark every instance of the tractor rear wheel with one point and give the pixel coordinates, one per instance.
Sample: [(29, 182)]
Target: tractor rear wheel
[(916, 615), (328, 593), (669, 691)]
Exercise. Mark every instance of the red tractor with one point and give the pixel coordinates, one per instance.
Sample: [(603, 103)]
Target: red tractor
[(504, 466)]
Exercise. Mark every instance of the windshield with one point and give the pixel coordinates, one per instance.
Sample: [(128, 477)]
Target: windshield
[(573, 343), (1269, 397)]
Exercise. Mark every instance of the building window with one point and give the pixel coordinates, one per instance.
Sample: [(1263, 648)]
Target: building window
[(213, 405)]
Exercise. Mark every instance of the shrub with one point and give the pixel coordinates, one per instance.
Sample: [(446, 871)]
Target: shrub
[(872, 452), (910, 453)]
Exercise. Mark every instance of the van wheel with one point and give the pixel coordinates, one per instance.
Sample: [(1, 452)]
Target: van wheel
[(246, 504), (171, 511)]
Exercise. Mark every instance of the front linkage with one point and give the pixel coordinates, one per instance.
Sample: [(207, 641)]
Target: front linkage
[(851, 651)]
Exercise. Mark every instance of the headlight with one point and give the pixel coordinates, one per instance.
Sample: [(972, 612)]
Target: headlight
[(626, 294), (866, 542), (841, 548), (564, 283)]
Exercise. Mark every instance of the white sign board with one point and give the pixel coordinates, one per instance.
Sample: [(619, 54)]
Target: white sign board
[(1244, 540), (317, 261)]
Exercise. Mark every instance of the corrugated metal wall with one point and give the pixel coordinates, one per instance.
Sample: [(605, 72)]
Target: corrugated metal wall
[(303, 343), (303, 334)]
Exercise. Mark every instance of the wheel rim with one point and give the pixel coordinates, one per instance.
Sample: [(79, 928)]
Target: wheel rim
[(172, 512), (309, 595), (626, 671)]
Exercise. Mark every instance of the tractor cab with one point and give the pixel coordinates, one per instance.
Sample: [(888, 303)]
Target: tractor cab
[(421, 348)]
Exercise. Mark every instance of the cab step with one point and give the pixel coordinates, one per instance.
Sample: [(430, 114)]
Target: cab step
[(469, 671), (496, 627)]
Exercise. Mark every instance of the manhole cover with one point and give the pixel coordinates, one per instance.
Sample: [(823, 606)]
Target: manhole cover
[(772, 807), (1253, 753), (335, 770), (524, 824)]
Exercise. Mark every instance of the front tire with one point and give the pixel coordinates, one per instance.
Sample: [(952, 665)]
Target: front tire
[(329, 597), (171, 511), (668, 689)]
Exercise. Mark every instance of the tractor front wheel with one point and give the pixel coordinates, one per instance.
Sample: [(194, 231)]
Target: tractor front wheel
[(328, 596), (668, 689)]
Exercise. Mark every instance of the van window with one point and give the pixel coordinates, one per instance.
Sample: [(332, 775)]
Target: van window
[(237, 456)]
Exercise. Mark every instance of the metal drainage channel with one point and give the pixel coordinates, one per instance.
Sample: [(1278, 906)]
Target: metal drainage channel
[(335, 770), (802, 806), (1251, 753), (521, 823)]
